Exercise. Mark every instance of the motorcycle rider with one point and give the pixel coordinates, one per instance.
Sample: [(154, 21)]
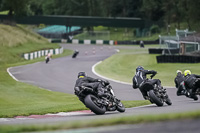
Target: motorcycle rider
[(48, 57), (141, 77), (180, 84), (85, 81), (191, 82)]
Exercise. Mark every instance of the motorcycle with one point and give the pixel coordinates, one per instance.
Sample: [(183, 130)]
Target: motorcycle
[(99, 105), (47, 59), (76, 52), (156, 95), (197, 92), (197, 83)]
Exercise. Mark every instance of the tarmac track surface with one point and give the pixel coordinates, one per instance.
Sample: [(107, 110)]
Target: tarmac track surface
[(60, 75)]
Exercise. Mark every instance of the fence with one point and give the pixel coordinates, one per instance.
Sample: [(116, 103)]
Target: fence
[(38, 54)]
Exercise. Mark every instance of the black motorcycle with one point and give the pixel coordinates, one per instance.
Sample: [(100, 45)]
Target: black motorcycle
[(47, 59), (197, 84), (76, 52), (197, 92), (156, 95), (99, 105)]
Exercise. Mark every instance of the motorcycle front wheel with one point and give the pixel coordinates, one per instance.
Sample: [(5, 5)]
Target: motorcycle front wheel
[(168, 101), (93, 105), (155, 99), (120, 107)]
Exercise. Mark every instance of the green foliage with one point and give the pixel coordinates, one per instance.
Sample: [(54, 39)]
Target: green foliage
[(4, 12), (154, 29), (159, 12), (16, 7)]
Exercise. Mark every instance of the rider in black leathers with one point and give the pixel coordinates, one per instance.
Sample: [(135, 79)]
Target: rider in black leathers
[(140, 78), (191, 82), (86, 81), (180, 84)]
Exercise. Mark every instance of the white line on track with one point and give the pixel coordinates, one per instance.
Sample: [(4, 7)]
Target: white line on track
[(67, 113), (8, 70), (3, 119), (93, 70)]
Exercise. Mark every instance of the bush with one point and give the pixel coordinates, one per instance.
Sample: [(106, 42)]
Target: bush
[(155, 29)]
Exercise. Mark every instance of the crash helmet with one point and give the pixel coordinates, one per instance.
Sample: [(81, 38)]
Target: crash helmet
[(139, 68), (81, 74), (186, 72), (178, 71)]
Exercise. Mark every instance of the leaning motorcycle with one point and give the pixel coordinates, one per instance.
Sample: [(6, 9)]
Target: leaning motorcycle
[(47, 59), (197, 92), (156, 95), (99, 105)]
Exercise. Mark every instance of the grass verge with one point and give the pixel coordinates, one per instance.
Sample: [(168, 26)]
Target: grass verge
[(18, 98), (100, 122), (122, 66)]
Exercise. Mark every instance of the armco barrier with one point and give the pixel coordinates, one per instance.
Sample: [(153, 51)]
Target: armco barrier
[(76, 41), (109, 42), (38, 54), (177, 59)]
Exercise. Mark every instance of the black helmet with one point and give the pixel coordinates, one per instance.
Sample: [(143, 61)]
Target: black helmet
[(81, 74), (139, 68)]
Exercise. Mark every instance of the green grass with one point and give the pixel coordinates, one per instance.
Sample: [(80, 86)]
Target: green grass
[(122, 66), (4, 12), (132, 119), (18, 98)]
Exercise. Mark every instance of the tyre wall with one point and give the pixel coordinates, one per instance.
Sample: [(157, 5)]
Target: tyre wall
[(38, 54), (177, 59), (163, 51)]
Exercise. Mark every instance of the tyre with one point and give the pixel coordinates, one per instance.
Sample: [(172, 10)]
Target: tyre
[(168, 101), (91, 103), (195, 97), (155, 99), (120, 107)]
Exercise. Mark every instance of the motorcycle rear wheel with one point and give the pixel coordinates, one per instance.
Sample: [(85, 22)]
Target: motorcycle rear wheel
[(155, 99), (91, 103)]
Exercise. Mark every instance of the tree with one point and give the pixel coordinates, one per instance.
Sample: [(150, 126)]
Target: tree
[(16, 7), (152, 9)]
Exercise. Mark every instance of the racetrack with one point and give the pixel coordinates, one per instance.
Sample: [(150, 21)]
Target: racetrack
[(60, 75)]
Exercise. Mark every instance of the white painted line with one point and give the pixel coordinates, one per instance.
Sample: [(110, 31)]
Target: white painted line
[(67, 114), (93, 70), (8, 70), (3, 119)]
